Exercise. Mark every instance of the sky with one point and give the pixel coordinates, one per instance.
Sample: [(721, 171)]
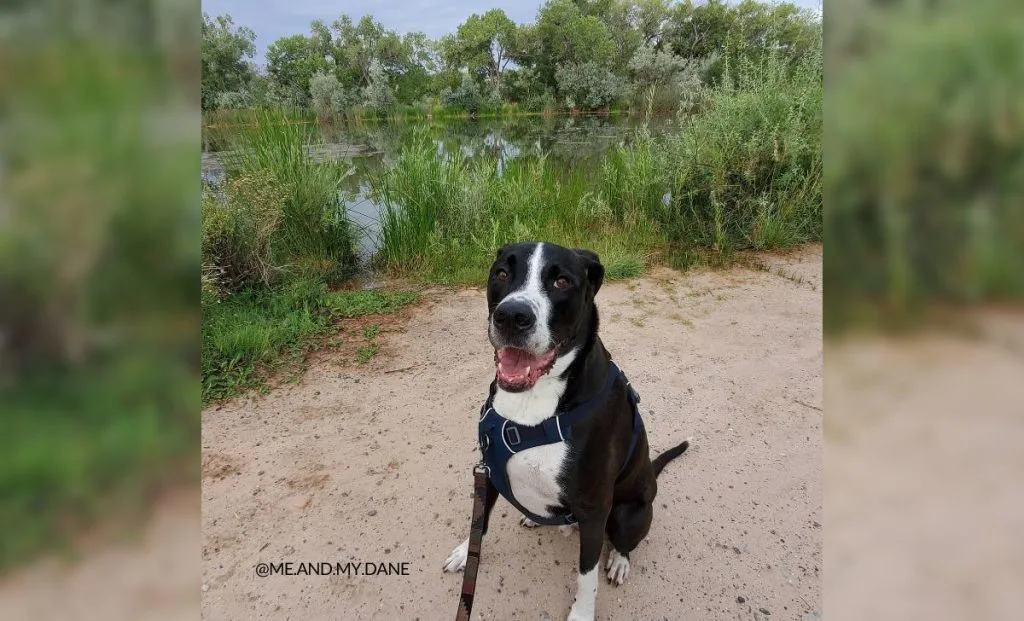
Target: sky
[(272, 19)]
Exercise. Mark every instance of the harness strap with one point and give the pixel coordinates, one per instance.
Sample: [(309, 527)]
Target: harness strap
[(476, 535)]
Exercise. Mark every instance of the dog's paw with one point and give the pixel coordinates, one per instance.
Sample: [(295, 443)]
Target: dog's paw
[(618, 567), (567, 530), (456, 561), (526, 522)]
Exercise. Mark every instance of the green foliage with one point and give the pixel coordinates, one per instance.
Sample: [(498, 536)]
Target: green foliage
[(466, 97), (252, 332), (291, 63), (746, 172), (238, 230), (672, 48), (314, 234), (483, 45), (98, 324), (329, 98), (567, 37), (588, 85), (223, 52), (378, 95), (924, 180)]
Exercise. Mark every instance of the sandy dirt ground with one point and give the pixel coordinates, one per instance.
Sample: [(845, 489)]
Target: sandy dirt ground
[(373, 464), (923, 458)]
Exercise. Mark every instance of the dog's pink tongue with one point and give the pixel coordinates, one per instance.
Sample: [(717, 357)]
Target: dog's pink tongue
[(514, 362)]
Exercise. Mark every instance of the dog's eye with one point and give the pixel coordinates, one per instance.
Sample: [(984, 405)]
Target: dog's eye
[(562, 283), (501, 275)]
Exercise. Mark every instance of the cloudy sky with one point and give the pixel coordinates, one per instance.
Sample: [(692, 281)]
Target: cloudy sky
[(271, 19)]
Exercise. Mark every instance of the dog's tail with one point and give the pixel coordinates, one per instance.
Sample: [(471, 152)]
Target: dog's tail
[(661, 460)]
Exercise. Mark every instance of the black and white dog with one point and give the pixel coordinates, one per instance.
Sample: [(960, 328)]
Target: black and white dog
[(550, 364)]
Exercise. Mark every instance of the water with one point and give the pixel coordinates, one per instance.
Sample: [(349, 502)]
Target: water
[(567, 142)]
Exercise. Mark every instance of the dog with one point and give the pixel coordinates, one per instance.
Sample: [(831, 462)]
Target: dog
[(550, 366)]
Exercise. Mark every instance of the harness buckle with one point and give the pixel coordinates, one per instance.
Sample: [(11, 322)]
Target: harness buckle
[(509, 431), (482, 468)]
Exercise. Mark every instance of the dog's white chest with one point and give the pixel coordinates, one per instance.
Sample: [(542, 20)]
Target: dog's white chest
[(533, 477)]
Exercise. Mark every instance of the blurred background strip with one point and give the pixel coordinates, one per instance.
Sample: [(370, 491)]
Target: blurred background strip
[(99, 314)]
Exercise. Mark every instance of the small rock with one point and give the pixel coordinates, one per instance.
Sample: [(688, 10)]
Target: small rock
[(740, 599), (371, 512), (765, 611), (206, 588)]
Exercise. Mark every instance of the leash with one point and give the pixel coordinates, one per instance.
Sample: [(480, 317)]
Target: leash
[(476, 535)]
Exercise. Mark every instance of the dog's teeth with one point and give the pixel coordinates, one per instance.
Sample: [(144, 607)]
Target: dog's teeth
[(500, 368), (528, 368)]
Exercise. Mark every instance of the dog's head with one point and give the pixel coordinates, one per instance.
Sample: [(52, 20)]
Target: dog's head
[(539, 298)]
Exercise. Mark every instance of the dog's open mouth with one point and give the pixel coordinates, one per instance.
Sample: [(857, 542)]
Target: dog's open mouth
[(518, 369)]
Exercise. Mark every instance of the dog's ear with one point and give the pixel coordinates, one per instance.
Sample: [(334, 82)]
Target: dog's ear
[(592, 263)]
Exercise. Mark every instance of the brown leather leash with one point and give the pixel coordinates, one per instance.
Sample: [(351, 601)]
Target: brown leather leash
[(476, 535)]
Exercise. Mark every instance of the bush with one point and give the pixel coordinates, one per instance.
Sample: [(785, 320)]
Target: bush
[(234, 100), (314, 232), (238, 229), (747, 171), (329, 98), (378, 95), (589, 85), (925, 179), (466, 97)]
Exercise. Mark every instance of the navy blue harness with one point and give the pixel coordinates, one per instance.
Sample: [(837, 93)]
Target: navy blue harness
[(501, 438)]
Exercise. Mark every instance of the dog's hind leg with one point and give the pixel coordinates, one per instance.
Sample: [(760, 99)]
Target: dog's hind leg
[(628, 524), (591, 541)]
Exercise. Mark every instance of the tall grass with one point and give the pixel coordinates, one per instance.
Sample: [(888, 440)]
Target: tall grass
[(315, 234), (443, 216), (925, 180), (746, 171)]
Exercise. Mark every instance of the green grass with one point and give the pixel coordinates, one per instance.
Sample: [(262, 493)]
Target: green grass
[(253, 332), (925, 178), (78, 448), (314, 234), (745, 173)]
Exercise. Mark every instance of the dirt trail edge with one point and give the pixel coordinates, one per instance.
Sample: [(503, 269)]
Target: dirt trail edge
[(373, 464)]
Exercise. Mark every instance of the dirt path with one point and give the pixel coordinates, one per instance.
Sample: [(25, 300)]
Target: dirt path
[(373, 464)]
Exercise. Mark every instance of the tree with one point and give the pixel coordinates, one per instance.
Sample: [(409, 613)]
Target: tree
[(483, 44), (224, 50), (328, 96), (589, 85), (569, 38), (357, 46), (378, 95), (292, 62)]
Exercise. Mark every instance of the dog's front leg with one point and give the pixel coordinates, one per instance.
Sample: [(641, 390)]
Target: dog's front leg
[(591, 540), (456, 561)]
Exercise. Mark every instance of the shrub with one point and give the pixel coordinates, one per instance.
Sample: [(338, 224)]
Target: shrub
[(237, 230), (589, 85), (466, 97), (747, 171), (329, 98), (314, 232), (378, 95)]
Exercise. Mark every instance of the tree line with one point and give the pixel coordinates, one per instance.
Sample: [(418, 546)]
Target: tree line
[(577, 54)]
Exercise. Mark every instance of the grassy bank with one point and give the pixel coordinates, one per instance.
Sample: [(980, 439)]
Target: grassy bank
[(925, 179), (745, 172), (255, 332), (99, 398)]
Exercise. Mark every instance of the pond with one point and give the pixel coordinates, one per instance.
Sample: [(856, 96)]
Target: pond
[(570, 143)]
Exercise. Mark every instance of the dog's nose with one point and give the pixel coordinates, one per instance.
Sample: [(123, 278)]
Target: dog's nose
[(514, 317)]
